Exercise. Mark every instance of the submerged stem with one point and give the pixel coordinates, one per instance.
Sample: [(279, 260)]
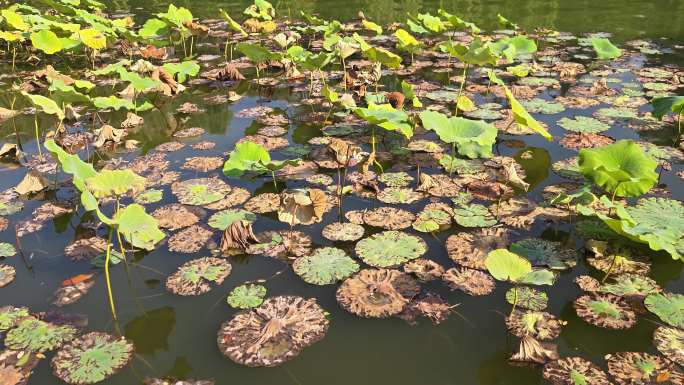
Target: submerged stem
[(109, 283)]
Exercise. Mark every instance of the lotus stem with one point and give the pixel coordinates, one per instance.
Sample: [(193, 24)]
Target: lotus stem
[(107, 278), (515, 298), (40, 151), (463, 82), (275, 184), (610, 269), (192, 44)]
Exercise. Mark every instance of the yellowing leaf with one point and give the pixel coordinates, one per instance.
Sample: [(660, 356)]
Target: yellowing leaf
[(93, 38)]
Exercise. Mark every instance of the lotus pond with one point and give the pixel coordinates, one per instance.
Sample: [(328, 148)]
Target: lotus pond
[(321, 192)]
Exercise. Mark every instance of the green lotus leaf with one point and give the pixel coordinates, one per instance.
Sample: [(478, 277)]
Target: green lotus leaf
[(10, 208), (387, 117), (505, 23), (91, 358), (506, 266), (478, 53), (621, 168), (46, 41), (247, 296), (150, 196), (261, 9), (256, 53), (154, 29), (182, 70), (7, 250), (14, 19), (616, 113), (541, 106), (458, 23), (109, 183), (325, 266), (513, 47), (196, 277), (432, 23), (139, 83), (384, 57), (178, 16), (583, 124), (474, 215), (461, 166), (669, 307), (629, 285), (472, 138), (390, 248), (541, 252), (406, 41), (395, 179), (527, 298), (605, 50), (224, 219), (664, 105), (46, 105), (10, 315), (369, 25), (93, 38), (232, 24), (38, 336), (111, 101), (247, 156), (538, 277), (139, 228)]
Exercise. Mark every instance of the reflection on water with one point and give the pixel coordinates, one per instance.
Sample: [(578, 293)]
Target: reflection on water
[(150, 331)]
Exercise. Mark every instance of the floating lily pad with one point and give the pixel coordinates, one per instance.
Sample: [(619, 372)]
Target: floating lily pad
[(343, 231), (583, 124), (390, 248), (568, 168), (176, 216), (7, 250), (7, 274), (574, 371), (91, 358), (273, 333), (633, 368), (283, 245), (223, 219), (247, 296), (631, 286), (541, 252), (394, 195), (396, 179), (10, 316), (377, 293), (190, 240), (535, 324), (10, 208), (38, 336), (471, 249), (670, 342), (474, 215), (606, 311), (263, 203), (200, 191), (470, 281), (325, 266), (527, 298), (616, 259), (390, 218), (669, 307), (197, 276), (149, 196)]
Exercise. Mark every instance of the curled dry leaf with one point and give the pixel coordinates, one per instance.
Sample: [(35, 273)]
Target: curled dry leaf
[(377, 293), (531, 350), (424, 269), (282, 245), (428, 305), (237, 238)]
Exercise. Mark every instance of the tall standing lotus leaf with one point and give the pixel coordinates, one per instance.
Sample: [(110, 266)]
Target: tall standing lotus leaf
[(46, 105), (111, 101), (325, 266), (91, 358), (478, 53), (46, 41), (139, 83), (115, 183), (513, 47), (369, 25), (473, 138), (261, 9), (433, 23), (406, 42), (622, 168), (506, 266), (14, 19), (232, 24), (93, 38), (387, 117), (605, 50), (256, 53), (247, 156), (409, 93), (458, 23), (139, 228), (668, 306), (520, 114), (153, 29), (381, 55), (247, 296), (182, 70), (38, 336), (667, 104)]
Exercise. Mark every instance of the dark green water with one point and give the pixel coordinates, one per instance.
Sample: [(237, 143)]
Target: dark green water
[(176, 336)]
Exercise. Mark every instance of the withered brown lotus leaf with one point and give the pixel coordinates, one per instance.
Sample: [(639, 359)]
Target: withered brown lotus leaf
[(269, 143), (66, 295), (470, 281), (16, 366), (577, 101), (563, 372), (587, 283), (377, 293), (390, 218), (177, 216), (397, 195), (273, 333), (488, 190), (355, 216), (228, 72), (190, 240), (343, 231), (7, 274), (196, 277), (439, 185), (533, 351), (286, 245), (189, 132), (236, 197), (200, 191), (537, 324), (424, 269), (616, 259), (630, 368), (670, 342), (605, 310), (204, 145), (428, 305), (170, 146), (470, 249), (578, 140), (303, 206), (203, 163), (237, 238)]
